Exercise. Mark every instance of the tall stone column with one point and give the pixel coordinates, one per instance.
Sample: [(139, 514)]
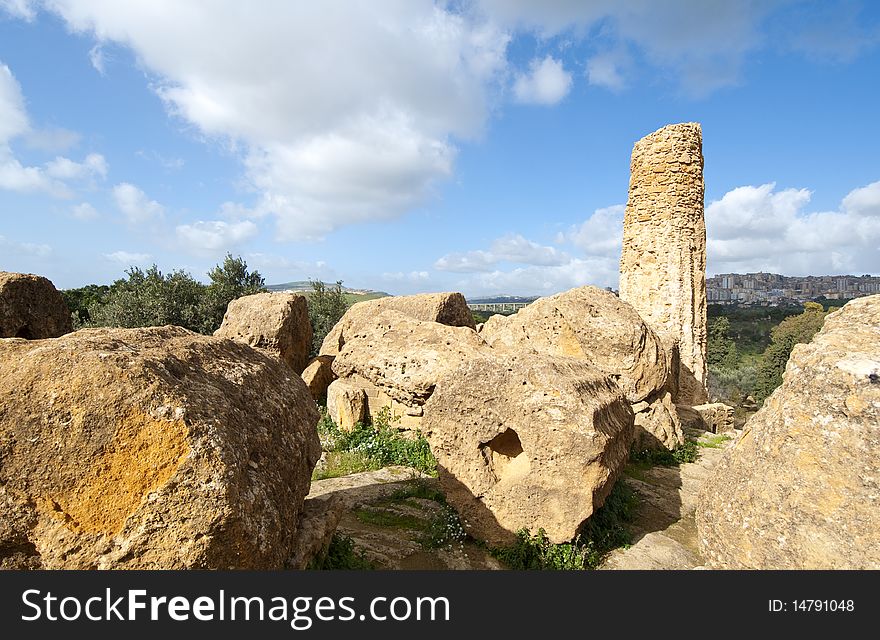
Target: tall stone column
[(663, 264)]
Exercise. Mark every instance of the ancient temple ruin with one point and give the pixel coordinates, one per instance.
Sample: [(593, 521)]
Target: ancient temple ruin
[(663, 263)]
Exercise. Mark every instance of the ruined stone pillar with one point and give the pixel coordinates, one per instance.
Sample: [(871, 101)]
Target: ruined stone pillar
[(663, 264)]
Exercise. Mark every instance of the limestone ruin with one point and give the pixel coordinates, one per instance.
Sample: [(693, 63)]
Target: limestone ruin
[(31, 308), (274, 322), (663, 263), (153, 448)]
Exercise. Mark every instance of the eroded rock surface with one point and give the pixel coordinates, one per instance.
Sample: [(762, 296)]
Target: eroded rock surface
[(275, 322), (31, 308), (801, 487), (150, 448), (528, 441), (663, 262)]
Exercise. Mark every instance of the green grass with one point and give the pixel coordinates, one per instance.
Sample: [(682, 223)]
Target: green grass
[(341, 555), (344, 463), (373, 446), (646, 458), (605, 531), (713, 441), (390, 519)]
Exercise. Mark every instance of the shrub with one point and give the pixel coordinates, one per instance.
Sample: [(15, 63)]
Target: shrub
[(341, 555), (605, 531)]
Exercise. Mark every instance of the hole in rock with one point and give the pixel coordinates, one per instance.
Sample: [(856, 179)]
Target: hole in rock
[(25, 332), (505, 456)]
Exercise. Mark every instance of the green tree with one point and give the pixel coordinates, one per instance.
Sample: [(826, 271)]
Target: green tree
[(721, 349), (79, 300), (791, 331), (229, 281), (149, 298), (326, 306)]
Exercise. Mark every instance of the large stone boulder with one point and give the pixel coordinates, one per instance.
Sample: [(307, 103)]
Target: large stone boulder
[(527, 441), (346, 404), (403, 356), (318, 375), (596, 326), (444, 308), (589, 324), (801, 487), (150, 449), (31, 308), (275, 322)]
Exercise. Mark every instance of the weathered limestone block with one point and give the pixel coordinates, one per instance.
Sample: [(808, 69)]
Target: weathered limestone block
[(445, 308), (31, 308), (801, 487), (150, 448), (318, 375), (346, 404), (589, 324), (657, 424), (663, 263), (527, 440), (318, 521), (403, 356), (717, 416), (275, 322)]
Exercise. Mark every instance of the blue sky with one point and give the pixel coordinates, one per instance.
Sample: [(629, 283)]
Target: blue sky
[(415, 146)]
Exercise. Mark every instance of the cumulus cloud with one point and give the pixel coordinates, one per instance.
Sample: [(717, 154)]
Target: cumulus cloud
[(84, 211), (336, 134), (135, 205), (759, 228), (599, 235), (24, 9), (546, 82), (512, 248), (126, 258), (209, 237), (94, 165), (52, 140), (411, 277), (606, 69), (28, 249), (14, 176)]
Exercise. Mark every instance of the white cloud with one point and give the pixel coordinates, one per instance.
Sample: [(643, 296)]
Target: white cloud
[(701, 45), (94, 165), (135, 205), (25, 9), (53, 140), (864, 201), (546, 82), (96, 58), (599, 235), (13, 116), (411, 277), (11, 247), (208, 237), (335, 134), (512, 248), (606, 70), (126, 258), (14, 176), (756, 228), (537, 280), (84, 211)]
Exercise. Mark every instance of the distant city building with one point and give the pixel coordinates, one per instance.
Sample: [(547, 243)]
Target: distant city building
[(772, 289)]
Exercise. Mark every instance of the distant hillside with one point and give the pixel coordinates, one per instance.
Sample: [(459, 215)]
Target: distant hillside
[(351, 295)]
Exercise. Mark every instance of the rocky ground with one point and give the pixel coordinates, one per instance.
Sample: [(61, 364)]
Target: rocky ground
[(664, 530), (389, 518)]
